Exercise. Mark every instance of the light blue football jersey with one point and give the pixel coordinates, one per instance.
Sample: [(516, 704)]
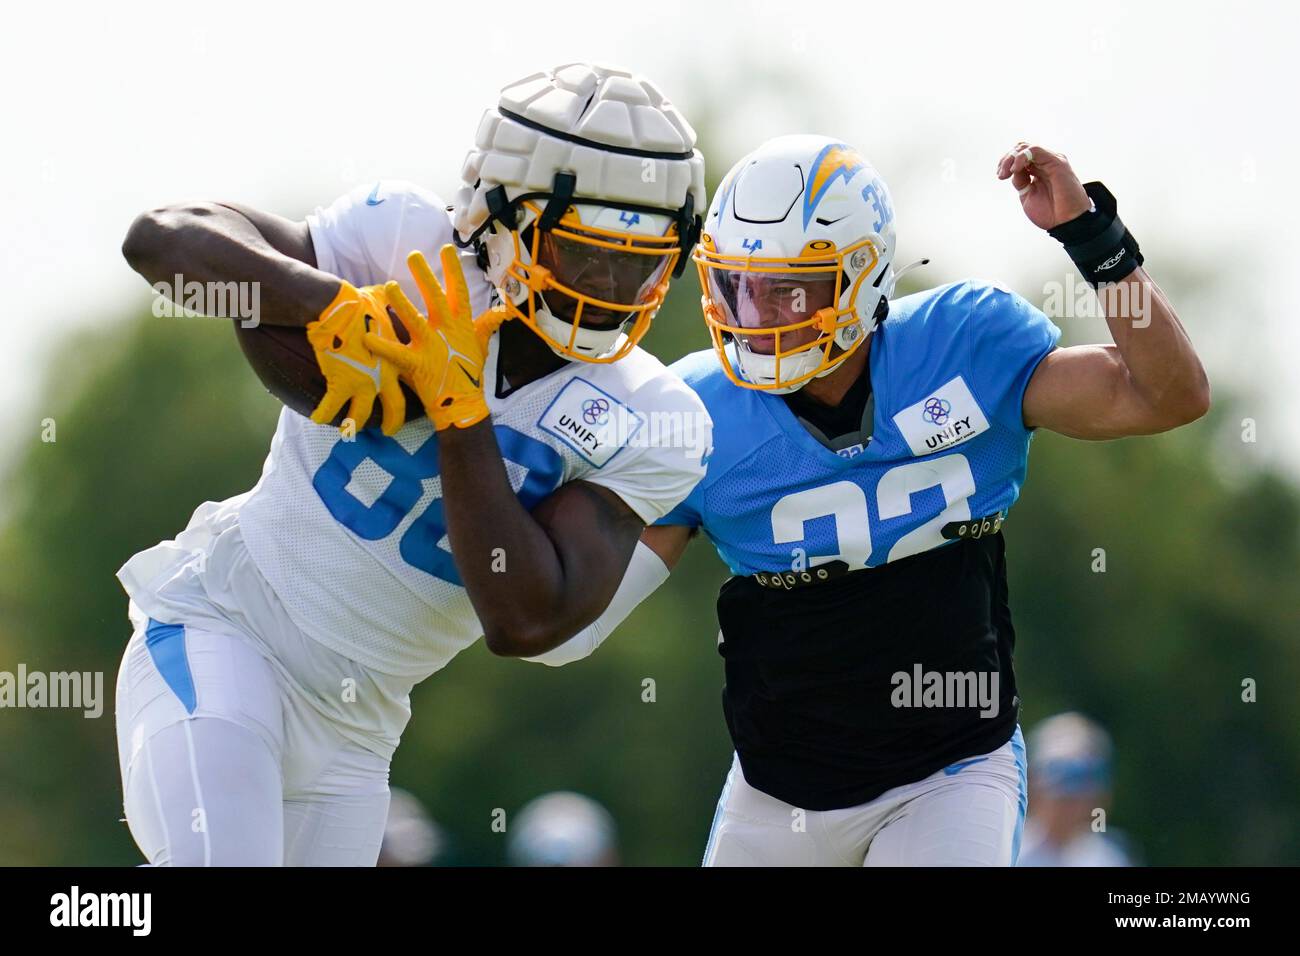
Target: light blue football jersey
[(949, 368)]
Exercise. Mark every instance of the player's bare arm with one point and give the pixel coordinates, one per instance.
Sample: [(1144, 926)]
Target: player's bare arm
[(1151, 379), (668, 541), (534, 579), (652, 560), (216, 242), (224, 242)]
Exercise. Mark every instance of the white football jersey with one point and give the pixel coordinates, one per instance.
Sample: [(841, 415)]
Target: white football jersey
[(350, 534)]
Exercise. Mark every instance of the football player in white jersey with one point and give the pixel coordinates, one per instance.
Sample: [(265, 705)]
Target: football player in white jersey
[(278, 636)]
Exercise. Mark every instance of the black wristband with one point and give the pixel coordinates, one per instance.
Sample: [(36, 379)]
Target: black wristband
[(1098, 242)]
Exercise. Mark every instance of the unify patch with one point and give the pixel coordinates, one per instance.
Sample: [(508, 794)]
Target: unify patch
[(590, 421), (946, 417)]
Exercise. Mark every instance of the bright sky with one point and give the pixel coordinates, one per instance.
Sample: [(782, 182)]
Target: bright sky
[(1184, 109)]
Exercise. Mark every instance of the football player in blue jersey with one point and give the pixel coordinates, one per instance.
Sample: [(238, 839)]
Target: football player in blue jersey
[(866, 452)]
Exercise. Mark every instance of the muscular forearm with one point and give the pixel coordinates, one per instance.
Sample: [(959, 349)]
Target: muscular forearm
[(1150, 380), (536, 574), (1162, 365), (645, 572), (209, 242), (508, 563)]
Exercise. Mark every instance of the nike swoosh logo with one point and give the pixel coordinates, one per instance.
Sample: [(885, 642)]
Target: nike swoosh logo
[(463, 362), (372, 371), (959, 767), (373, 199)]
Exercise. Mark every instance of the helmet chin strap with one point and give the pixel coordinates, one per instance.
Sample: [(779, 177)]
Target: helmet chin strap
[(763, 367), (839, 359), (595, 342), (767, 363)]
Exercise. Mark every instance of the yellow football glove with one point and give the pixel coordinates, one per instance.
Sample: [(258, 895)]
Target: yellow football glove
[(443, 363), (353, 374)]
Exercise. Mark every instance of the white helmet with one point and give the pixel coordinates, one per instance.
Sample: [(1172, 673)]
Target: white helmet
[(798, 245), (582, 195)]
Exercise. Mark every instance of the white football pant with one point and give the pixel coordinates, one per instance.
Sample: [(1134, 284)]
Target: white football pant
[(968, 814), (224, 763)]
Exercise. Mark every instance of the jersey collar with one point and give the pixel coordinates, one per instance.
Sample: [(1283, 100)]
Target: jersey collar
[(798, 432)]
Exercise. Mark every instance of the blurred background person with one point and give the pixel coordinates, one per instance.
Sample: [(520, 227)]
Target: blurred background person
[(411, 836), (563, 829), (1070, 795)]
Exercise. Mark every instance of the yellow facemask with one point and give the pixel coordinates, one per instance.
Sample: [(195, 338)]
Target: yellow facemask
[(592, 281), (789, 318)]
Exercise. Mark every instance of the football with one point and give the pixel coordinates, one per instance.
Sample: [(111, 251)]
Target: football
[(283, 359)]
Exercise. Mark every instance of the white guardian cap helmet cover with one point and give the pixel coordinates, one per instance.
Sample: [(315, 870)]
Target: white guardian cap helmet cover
[(582, 195)]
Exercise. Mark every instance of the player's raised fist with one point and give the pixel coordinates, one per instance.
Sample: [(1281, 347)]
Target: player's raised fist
[(1050, 192)]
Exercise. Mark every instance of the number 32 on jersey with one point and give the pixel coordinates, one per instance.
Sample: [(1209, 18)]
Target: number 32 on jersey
[(846, 503)]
